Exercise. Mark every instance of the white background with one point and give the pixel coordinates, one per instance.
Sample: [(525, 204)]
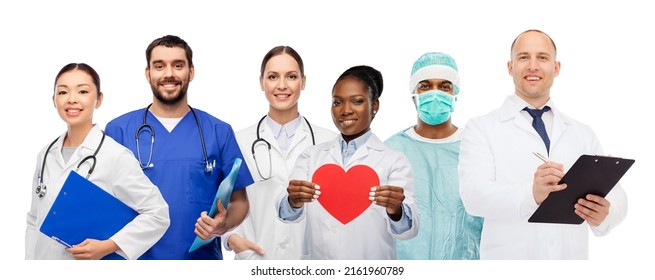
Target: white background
[(605, 47)]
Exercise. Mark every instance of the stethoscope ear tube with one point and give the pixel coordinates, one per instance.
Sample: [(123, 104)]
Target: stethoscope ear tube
[(268, 146), (209, 166), (41, 188)]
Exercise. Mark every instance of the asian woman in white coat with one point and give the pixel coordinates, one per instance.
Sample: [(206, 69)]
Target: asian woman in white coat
[(270, 148), (355, 194), (116, 170)]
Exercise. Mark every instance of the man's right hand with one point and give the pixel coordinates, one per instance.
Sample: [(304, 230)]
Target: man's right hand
[(545, 180), (239, 244)]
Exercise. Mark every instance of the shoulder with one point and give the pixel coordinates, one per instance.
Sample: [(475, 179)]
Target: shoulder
[(116, 149), (400, 135), (247, 131), (117, 127), (126, 117), (573, 123), (214, 121), (322, 134)]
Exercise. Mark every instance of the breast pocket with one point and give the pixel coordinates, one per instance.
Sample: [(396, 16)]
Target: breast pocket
[(203, 186)]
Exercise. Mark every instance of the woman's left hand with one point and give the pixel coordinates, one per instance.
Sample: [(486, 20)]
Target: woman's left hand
[(390, 197)]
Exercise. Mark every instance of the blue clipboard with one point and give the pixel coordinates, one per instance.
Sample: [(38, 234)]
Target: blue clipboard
[(224, 193), (83, 210)]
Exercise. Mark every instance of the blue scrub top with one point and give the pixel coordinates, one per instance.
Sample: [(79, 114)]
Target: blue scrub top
[(179, 172), (447, 231)]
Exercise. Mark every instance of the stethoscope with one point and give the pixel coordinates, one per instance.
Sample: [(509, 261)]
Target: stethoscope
[(268, 145), (209, 167), (41, 188)]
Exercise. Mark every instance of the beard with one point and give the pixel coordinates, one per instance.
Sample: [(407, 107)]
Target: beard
[(175, 99)]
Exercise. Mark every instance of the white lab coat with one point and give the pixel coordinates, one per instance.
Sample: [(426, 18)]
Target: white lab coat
[(496, 169), (280, 241), (369, 236), (117, 172)]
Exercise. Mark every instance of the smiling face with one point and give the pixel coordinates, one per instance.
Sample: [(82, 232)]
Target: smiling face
[(352, 108), (169, 74), (533, 67), (282, 82), (75, 98)]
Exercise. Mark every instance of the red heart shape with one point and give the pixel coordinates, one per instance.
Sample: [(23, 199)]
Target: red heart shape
[(345, 194)]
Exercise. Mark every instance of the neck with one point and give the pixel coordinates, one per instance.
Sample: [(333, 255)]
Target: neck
[(283, 117), (536, 102), (176, 110), (76, 134), (439, 131)]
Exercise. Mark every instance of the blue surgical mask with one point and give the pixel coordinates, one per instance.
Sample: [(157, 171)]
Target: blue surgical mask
[(435, 106)]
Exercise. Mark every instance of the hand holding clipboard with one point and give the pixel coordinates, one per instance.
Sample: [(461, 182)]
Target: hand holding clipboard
[(589, 175), (224, 193)]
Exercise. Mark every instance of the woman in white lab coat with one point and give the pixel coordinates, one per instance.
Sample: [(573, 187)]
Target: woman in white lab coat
[(77, 94), (355, 194), (270, 148)]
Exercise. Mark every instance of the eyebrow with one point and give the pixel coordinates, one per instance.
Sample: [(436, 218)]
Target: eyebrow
[(79, 85), (539, 53), (174, 61)]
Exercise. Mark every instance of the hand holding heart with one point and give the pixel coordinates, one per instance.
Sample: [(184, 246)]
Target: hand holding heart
[(390, 197), (302, 191)]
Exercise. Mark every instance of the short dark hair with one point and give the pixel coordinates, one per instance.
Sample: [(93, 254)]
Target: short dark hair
[(170, 41), (82, 67), (532, 30), (280, 50)]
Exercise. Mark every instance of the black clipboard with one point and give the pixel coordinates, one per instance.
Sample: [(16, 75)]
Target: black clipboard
[(84, 210), (588, 175)]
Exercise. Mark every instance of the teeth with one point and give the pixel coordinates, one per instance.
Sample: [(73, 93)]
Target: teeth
[(533, 78), (347, 122), (73, 110)]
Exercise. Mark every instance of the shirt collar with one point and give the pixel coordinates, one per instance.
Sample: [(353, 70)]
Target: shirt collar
[(355, 143), (276, 128), (519, 103)]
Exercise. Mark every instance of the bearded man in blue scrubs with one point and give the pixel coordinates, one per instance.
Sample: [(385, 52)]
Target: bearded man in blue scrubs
[(186, 152)]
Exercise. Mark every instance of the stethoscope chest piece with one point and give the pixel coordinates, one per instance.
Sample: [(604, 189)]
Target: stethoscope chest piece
[(209, 167), (41, 190)]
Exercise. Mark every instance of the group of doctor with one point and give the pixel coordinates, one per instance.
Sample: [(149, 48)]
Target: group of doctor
[(294, 199)]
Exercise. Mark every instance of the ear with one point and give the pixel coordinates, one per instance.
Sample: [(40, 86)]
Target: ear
[(148, 74), (376, 107), (302, 83), (53, 101), (99, 102), (557, 67), (192, 72), (261, 83), (510, 70)]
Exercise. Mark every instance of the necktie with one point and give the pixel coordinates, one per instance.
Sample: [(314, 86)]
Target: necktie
[(538, 124)]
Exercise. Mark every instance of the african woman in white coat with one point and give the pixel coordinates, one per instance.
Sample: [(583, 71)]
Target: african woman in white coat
[(274, 142), (77, 95), (355, 194)]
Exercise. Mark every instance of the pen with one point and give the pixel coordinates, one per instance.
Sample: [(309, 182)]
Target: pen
[(541, 157), (62, 242)]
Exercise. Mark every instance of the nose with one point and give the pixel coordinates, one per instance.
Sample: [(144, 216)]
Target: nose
[(346, 109), (282, 84), (72, 98), (168, 72), (533, 65)]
